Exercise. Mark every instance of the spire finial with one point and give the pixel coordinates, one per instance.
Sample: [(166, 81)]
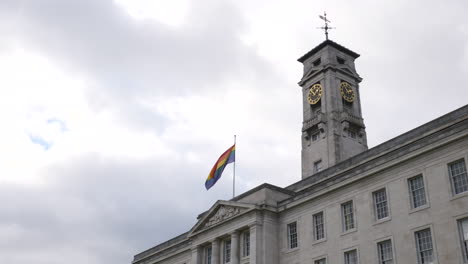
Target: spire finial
[(326, 27)]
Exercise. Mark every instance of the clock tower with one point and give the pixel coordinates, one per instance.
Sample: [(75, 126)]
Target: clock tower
[(333, 128)]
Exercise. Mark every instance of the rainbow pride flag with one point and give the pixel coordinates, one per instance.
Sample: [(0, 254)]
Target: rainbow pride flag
[(227, 157)]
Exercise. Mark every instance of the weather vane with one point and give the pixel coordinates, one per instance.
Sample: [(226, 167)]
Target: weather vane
[(326, 27)]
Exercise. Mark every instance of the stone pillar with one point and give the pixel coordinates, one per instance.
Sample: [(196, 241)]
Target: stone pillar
[(235, 247), (255, 244), (215, 252), (196, 255), (270, 248)]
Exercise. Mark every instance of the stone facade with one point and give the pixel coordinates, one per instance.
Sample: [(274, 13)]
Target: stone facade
[(401, 201)]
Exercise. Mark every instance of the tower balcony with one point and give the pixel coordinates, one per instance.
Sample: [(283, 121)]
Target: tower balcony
[(353, 119), (317, 119)]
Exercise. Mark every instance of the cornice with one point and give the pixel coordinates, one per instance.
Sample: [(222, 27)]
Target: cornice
[(332, 67), (329, 43)]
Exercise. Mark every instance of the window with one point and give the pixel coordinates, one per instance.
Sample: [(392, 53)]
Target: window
[(319, 230), (246, 244), (380, 204), (227, 251), (352, 133), (350, 257), (315, 135), (317, 166), (385, 252), (340, 60), (317, 62), (457, 171), (424, 246), (292, 235), (316, 109), (463, 225), (347, 215), (320, 261), (417, 191), (208, 255), (348, 108)]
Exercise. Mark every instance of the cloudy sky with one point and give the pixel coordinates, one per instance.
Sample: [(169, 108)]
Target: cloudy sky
[(113, 112)]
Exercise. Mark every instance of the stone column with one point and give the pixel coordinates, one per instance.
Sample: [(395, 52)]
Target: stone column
[(253, 244), (235, 247), (196, 255), (269, 240), (215, 252), (256, 244)]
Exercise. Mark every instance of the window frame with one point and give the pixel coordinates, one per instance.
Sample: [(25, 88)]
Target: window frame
[(340, 60), (317, 166), (316, 260), (379, 256), (227, 251), (314, 228), (375, 208), (344, 229), (352, 134), (317, 62), (347, 107), (208, 258), (410, 193), (245, 243), (348, 250), (463, 241), (416, 243), (289, 236), (315, 135), (452, 183)]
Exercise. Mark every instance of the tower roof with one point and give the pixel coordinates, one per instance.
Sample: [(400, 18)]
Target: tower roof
[(325, 43)]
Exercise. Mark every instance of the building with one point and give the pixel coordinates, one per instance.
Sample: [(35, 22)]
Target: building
[(403, 201)]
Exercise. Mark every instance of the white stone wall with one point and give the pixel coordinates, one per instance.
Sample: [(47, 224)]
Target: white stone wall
[(440, 215)]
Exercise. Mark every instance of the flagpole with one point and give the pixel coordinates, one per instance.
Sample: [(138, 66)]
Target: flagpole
[(234, 174)]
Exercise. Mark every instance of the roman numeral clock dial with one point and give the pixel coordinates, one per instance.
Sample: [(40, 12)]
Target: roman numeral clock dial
[(347, 92), (315, 93)]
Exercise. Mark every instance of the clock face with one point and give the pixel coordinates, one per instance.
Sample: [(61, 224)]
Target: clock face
[(347, 92), (315, 93)]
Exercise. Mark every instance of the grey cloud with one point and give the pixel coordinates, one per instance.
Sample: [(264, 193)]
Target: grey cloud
[(100, 210), (127, 60), (104, 209), (412, 64)]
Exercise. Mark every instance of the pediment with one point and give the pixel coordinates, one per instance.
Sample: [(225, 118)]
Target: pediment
[(308, 74), (348, 70), (220, 212), (315, 70), (311, 72)]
